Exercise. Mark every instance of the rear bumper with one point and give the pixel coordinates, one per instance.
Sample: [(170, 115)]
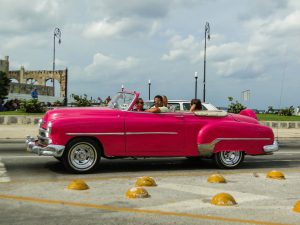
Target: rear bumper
[(49, 150), (271, 148)]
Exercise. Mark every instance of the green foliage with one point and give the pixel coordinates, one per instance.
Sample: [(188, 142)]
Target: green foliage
[(32, 106), (58, 103), (81, 101), (287, 111), (235, 107), (4, 85), (276, 117)]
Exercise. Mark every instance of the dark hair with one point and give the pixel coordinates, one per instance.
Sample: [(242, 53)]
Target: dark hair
[(159, 96), (138, 100), (196, 102)]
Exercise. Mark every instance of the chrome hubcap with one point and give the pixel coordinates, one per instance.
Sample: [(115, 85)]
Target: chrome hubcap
[(82, 156), (231, 158)]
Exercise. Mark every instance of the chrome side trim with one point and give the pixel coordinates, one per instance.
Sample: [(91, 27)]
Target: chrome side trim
[(141, 133), (243, 139), (206, 150), (120, 133), (95, 134)]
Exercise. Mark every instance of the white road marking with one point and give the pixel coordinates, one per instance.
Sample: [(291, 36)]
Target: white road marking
[(241, 196), (201, 202), (3, 173)]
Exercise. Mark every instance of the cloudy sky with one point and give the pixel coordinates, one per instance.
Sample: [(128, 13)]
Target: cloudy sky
[(254, 46)]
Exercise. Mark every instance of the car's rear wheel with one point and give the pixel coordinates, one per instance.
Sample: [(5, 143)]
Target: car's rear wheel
[(229, 159), (82, 155)]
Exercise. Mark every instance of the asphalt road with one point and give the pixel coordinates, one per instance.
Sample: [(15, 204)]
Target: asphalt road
[(33, 190)]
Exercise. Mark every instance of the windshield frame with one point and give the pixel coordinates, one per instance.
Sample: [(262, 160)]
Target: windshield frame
[(127, 106)]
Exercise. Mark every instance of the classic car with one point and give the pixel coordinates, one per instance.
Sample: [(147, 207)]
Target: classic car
[(79, 137)]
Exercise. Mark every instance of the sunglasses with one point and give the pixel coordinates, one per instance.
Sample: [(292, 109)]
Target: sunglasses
[(141, 102)]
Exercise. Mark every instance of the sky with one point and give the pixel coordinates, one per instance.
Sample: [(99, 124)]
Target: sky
[(254, 45)]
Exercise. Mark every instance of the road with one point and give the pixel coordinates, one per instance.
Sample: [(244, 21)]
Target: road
[(33, 189)]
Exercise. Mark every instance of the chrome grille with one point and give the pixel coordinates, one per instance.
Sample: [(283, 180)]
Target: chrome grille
[(42, 137)]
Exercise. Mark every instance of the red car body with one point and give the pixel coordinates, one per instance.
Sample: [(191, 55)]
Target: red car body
[(80, 136)]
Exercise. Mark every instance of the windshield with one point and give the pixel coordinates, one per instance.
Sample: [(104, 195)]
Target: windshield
[(121, 101)]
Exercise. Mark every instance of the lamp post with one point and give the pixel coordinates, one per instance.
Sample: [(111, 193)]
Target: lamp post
[(207, 34), (196, 78), (149, 84), (56, 34)]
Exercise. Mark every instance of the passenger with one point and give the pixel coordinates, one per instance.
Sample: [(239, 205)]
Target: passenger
[(195, 105), (158, 106), (139, 105), (166, 104)]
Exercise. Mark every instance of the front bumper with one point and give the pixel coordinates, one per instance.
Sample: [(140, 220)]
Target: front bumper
[(48, 150), (271, 148)]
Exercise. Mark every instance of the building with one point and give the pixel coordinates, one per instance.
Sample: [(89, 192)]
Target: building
[(21, 86)]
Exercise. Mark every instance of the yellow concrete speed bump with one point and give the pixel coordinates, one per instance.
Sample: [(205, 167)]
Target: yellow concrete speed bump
[(223, 199), (78, 185), (137, 192), (274, 174), (145, 181), (297, 207), (216, 178)]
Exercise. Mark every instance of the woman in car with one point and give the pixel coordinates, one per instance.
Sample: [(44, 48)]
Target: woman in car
[(195, 105)]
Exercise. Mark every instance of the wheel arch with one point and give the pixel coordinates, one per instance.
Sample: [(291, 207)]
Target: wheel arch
[(92, 138)]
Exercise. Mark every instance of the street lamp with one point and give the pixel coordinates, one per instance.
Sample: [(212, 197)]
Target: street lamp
[(207, 34), (56, 34), (149, 83), (196, 77)]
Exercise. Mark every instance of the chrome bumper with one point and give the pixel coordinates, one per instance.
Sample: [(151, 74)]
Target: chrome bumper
[(49, 150), (271, 148)]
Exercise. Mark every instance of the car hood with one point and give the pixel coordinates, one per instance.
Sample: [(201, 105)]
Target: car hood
[(58, 113)]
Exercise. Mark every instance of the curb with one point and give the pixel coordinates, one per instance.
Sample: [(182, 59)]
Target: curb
[(12, 140)]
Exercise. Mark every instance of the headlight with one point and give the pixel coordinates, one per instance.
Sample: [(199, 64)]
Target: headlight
[(49, 128), (41, 122)]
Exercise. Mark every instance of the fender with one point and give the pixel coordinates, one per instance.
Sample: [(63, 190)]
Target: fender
[(233, 136), (248, 112)]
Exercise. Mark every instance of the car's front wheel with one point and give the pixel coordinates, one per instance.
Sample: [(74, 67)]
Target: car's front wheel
[(81, 155), (229, 159)]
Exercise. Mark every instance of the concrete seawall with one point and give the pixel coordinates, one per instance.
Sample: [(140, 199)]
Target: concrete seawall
[(19, 120), (33, 120)]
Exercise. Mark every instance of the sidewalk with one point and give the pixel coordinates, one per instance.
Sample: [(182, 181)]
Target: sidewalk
[(18, 133)]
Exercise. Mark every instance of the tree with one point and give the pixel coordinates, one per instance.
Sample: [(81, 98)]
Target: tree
[(235, 107), (81, 101), (4, 85)]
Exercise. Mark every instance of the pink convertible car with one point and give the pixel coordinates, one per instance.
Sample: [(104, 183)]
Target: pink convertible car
[(79, 137)]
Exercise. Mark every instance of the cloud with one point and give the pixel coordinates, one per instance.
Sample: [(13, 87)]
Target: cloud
[(19, 17), (34, 41), (183, 48), (109, 28), (133, 8), (102, 63)]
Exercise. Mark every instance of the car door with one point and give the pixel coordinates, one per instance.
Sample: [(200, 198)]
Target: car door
[(154, 134)]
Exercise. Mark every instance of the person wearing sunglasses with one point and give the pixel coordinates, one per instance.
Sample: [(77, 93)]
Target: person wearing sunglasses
[(139, 105)]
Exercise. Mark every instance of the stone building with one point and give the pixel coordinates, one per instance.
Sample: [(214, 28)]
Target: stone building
[(4, 65), (22, 77)]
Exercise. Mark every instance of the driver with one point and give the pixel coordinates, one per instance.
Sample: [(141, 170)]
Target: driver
[(158, 106)]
